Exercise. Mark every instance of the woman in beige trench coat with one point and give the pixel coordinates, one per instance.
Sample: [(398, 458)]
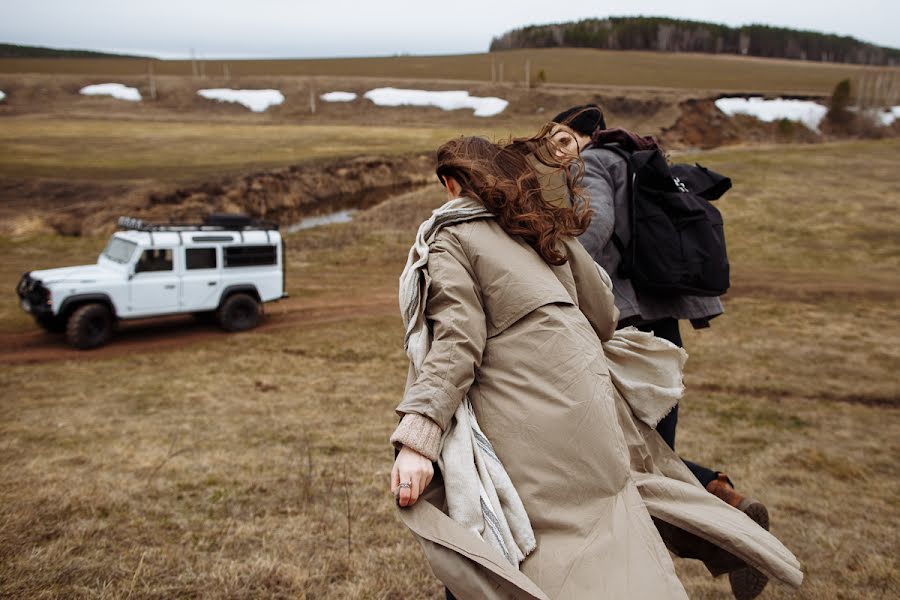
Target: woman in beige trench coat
[(517, 311)]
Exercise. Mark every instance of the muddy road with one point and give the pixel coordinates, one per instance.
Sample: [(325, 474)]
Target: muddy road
[(176, 332)]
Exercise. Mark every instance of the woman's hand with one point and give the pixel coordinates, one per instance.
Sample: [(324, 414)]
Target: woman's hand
[(410, 476)]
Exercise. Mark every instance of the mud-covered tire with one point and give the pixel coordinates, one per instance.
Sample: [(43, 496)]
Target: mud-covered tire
[(238, 312), (90, 326)]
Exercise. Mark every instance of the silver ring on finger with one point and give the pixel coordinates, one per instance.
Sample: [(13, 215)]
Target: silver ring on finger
[(407, 485)]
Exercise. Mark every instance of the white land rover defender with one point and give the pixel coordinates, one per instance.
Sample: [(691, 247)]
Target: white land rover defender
[(222, 269)]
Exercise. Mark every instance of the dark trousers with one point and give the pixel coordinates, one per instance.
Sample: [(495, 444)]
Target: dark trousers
[(667, 329)]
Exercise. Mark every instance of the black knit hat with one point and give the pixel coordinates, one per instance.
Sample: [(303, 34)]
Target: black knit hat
[(584, 119)]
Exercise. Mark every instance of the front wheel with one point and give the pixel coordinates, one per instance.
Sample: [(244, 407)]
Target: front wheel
[(51, 324), (239, 313), (90, 326)]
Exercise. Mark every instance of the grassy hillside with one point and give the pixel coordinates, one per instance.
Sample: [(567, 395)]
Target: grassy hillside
[(560, 66), (202, 471)]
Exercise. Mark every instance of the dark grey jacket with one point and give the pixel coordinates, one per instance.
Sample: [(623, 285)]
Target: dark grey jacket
[(606, 186)]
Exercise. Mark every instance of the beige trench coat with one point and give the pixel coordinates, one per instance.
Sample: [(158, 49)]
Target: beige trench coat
[(522, 339)]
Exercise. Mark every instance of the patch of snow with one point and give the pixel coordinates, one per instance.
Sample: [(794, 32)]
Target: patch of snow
[(116, 90), (342, 216), (805, 111), (2, 96), (255, 100), (887, 116), (338, 97), (452, 100)]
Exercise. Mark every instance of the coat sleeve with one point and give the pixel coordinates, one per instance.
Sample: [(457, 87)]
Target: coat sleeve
[(599, 188), (458, 334), (606, 186)]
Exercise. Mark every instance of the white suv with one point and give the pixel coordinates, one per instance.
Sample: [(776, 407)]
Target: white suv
[(222, 269)]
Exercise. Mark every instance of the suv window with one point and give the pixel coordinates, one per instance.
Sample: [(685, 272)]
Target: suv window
[(119, 250), (154, 260), (200, 258), (250, 256)]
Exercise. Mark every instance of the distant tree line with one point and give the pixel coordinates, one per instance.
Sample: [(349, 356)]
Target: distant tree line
[(674, 35), (17, 51)]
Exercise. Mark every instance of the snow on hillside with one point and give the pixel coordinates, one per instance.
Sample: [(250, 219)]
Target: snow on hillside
[(116, 90), (805, 111), (338, 97), (450, 100), (887, 116), (255, 100)]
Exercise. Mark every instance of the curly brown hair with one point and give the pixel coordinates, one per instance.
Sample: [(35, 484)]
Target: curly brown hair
[(504, 179)]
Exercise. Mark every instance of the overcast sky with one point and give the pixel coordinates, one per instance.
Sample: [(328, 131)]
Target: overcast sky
[(326, 28)]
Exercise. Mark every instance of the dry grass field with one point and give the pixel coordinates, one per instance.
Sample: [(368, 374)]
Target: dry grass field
[(256, 465), (560, 65), (92, 149)]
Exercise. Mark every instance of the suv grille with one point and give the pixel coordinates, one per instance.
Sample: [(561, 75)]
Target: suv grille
[(32, 290)]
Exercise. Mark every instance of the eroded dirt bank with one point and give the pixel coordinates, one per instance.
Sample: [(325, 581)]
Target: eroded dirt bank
[(284, 195)]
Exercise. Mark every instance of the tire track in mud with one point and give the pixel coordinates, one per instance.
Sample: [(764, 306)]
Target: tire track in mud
[(181, 331)]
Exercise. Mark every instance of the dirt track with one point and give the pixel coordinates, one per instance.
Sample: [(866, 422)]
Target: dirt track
[(150, 335)]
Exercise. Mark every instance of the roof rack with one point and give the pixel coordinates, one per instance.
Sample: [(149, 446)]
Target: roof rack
[(213, 222)]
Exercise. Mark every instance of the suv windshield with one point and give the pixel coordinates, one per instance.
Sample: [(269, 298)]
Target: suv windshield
[(119, 250)]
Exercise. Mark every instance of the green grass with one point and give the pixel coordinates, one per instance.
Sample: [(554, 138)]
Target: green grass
[(561, 65)]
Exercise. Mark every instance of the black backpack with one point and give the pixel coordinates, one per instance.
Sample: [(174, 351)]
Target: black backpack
[(677, 244)]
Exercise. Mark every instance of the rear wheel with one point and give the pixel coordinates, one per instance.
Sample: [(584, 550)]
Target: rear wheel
[(238, 312), (90, 326)]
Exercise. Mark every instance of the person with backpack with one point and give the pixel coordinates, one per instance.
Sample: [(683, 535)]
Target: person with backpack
[(612, 161)]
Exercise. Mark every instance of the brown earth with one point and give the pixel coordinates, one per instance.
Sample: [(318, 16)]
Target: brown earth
[(169, 333), (282, 195), (702, 125)]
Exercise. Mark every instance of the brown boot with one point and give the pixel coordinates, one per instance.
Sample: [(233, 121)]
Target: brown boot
[(746, 582)]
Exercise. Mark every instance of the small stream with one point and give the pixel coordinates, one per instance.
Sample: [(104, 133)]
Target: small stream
[(341, 216), (342, 208)]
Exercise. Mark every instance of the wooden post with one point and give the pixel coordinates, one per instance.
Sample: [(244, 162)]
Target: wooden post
[(312, 100), (527, 73), (202, 69), (501, 72), (152, 79), (226, 72), (193, 64), (493, 70)]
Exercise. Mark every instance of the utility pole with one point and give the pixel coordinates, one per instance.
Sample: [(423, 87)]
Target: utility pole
[(527, 73), (226, 72), (501, 72), (152, 79), (193, 64), (493, 70), (312, 100)]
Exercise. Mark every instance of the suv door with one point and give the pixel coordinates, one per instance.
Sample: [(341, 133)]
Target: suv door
[(154, 287), (200, 281)]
